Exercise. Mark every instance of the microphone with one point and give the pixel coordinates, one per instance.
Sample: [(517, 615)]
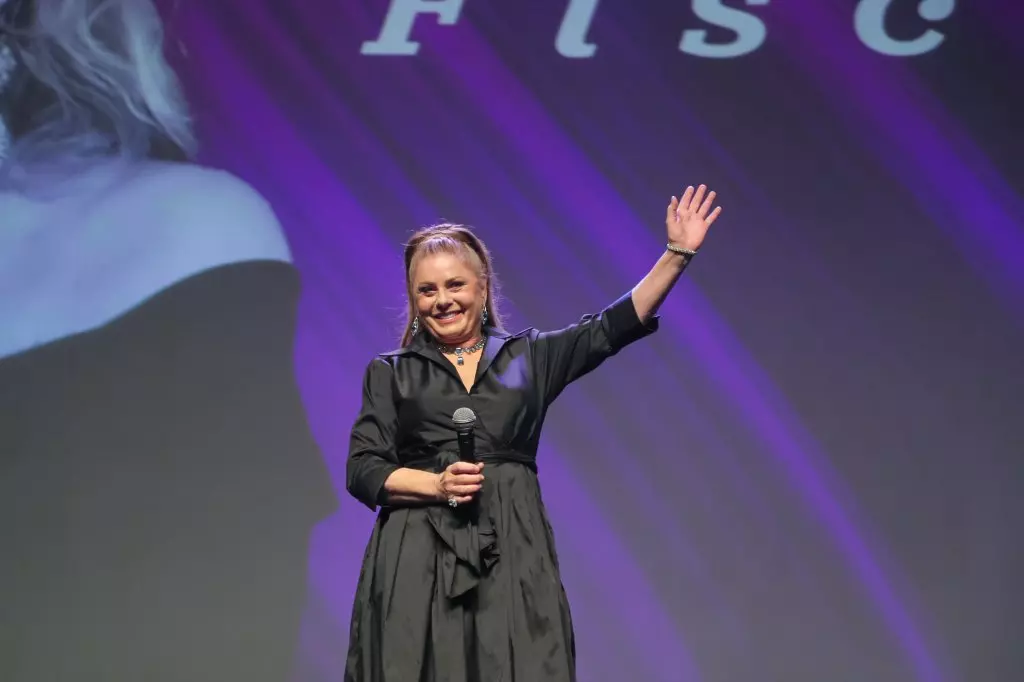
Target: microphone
[(465, 420)]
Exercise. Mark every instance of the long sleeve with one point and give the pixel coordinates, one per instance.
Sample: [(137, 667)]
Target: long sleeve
[(570, 353), (372, 455)]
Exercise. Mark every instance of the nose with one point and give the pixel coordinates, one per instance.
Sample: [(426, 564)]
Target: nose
[(443, 301)]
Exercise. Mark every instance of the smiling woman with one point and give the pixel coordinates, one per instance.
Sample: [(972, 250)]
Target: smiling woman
[(450, 297), (460, 580), (452, 285)]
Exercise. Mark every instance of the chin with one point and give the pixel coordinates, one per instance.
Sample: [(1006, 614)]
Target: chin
[(451, 336)]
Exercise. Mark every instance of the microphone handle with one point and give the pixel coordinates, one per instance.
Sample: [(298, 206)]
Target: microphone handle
[(467, 445), (467, 453)]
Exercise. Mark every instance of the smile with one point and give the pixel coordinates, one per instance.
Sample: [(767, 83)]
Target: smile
[(448, 317)]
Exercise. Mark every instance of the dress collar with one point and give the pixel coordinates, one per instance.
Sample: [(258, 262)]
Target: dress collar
[(423, 345)]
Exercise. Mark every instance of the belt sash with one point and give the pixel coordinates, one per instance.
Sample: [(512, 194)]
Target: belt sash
[(468, 531)]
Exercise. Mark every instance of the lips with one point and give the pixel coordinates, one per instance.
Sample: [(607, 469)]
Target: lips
[(448, 317)]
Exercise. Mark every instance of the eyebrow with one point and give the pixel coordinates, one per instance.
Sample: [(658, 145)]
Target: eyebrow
[(457, 278)]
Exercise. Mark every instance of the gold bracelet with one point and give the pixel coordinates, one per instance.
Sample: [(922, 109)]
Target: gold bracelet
[(680, 250)]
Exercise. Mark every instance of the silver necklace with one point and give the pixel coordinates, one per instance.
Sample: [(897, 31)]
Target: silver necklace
[(458, 350)]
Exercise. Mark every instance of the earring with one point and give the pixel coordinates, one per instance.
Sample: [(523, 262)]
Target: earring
[(415, 326), (483, 318)]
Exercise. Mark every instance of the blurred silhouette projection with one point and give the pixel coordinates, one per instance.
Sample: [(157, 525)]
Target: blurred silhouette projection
[(159, 482)]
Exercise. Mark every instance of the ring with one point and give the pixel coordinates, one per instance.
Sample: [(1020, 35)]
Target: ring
[(452, 502)]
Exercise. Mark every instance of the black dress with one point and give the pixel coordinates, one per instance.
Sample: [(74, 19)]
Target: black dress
[(468, 595), (158, 484)]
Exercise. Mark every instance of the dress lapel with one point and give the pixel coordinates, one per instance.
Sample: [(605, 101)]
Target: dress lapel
[(495, 342), (423, 346)]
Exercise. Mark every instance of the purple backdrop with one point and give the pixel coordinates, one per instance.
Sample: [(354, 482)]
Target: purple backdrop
[(813, 471)]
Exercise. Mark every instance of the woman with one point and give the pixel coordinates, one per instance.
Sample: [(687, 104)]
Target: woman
[(460, 579), (157, 478)]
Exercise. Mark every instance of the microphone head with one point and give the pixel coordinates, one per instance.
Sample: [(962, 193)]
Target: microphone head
[(464, 417)]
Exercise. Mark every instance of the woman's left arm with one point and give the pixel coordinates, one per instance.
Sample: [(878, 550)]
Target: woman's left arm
[(687, 223), (564, 355)]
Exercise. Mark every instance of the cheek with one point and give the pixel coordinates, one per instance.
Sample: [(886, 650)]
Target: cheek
[(469, 301)]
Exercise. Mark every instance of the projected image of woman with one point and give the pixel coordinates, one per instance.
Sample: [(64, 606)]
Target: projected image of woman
[(460, 580), (157, 478)]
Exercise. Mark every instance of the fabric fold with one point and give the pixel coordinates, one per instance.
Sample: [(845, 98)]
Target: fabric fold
[(471, 543)]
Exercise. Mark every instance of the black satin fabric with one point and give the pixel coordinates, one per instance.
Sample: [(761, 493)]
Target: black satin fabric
[(471, 594)]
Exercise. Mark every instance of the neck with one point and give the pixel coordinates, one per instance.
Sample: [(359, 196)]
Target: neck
[(462, 343)]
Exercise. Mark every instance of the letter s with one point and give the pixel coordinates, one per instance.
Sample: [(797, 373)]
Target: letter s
[(750, 31)]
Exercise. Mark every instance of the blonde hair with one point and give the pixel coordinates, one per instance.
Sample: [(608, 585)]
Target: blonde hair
[(458, 240), (95, 82)]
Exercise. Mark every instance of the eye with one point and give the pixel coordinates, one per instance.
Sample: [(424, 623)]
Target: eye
[(425, 290)]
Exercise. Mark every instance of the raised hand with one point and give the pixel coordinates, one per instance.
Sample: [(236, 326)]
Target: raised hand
[(689, 218)]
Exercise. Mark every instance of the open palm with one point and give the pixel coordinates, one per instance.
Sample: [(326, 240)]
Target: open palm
[(690, 217)]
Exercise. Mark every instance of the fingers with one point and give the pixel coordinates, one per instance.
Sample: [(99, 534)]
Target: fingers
[(697, 197), (465, 468), (714, 215), (462, 480), (706, 206), (673, 206), (694, 201), (466, 479), (684, 203)]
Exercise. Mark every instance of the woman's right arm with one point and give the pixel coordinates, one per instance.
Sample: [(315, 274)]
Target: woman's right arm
[(373, 474), (461, 480), (412, 485)]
